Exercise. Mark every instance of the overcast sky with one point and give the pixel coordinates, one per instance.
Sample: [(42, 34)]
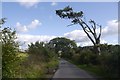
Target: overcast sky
[(37, 21)]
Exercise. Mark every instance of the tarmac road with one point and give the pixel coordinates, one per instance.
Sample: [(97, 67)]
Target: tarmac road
[(68, 70)]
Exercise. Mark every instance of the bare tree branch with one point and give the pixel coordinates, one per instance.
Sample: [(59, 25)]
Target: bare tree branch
[(70, 25), (86, 32), (88, 27), (100, 32)]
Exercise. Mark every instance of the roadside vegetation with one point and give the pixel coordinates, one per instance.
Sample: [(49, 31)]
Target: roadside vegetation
[(102, 59), (41, 59), (105, 65)]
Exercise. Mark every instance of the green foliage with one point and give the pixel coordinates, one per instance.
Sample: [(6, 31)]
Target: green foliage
[(2, 21), (31, 70), (76, 58), (107, 62), (84, 57), (110, 59), (52, 64), (66, 46), (67, 12), (10, 61), (41, 59), (94, 70), (40, 50)]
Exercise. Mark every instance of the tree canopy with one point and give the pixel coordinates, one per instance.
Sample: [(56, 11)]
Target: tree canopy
[(62, 44)]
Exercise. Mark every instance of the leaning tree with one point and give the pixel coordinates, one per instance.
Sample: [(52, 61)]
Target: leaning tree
[(78, 18)]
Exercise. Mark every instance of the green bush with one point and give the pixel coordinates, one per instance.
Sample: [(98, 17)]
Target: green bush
[(76, 58), (40, 58), (110, 61), (87, 57), (10, 61)]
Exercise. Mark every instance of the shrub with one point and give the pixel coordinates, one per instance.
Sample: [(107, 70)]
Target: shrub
[(87, 57), (110, 61)]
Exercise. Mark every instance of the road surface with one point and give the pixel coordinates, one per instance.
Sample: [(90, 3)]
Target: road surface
[(68, 70)]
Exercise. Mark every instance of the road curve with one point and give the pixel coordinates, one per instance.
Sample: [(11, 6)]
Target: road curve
[(68, 70)]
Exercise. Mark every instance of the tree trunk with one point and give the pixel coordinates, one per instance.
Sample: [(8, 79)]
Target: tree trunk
[(97, 49)]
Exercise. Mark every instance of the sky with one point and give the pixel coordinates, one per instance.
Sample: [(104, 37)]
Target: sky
[(37, 21)]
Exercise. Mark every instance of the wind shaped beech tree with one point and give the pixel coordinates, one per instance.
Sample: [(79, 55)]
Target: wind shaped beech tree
[(78, 18)]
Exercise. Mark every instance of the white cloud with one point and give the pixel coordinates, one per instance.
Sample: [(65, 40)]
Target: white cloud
[(77, 35), (24, 28), (27, 39), (28, 3), (110, 29), (53, 3), (89, 43), (81, 38), (34, 24), (21, 28)]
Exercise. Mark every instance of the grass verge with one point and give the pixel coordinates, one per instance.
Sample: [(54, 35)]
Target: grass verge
[(95, 70), (98, 72)]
